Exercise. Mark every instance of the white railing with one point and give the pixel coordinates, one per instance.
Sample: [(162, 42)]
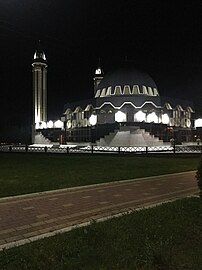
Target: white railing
[(177, 149)]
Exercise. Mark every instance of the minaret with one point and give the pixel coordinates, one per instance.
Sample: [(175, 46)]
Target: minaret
[(39, 70), (98, 77)]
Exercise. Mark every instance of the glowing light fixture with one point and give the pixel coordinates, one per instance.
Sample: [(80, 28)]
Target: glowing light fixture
[(69, 124), (188, 123), (58, 124), (120, 117), (152, 117), (93, 120), (50, 124), (198, 122), (140, 116), (165, 119)]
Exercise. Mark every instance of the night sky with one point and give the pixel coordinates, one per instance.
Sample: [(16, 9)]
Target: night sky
[(163, 38)]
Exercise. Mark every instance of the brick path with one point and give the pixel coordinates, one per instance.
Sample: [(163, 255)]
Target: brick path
[(29, 217)]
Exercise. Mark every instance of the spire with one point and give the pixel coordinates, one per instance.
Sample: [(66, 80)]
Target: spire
[(39, 53), (99, 72)]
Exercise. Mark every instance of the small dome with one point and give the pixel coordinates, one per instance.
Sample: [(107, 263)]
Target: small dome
[(39, 54), (126, 76)]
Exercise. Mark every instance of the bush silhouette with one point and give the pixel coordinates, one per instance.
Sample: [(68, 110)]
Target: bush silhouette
[(199, 178)]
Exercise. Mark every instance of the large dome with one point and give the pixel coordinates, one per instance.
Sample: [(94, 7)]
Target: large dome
[(126, 76)]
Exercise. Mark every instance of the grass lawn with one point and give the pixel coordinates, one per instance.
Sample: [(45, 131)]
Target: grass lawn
[(165, 237), (22, 173)]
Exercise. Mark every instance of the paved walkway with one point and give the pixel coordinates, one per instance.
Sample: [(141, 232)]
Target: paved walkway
[(29, 217)]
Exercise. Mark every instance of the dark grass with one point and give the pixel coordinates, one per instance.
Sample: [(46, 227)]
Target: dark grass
[(165, 237), (27, 173)]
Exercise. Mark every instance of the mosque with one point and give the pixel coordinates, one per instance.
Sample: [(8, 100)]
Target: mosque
[(126, 110)]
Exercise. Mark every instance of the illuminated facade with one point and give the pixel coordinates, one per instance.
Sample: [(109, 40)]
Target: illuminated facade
[(127, 98)]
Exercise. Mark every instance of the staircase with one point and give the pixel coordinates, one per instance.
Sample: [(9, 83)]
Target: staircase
[(129, 136), (41, 139)]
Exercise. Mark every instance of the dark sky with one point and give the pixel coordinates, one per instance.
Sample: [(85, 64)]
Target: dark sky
[(164, 38)]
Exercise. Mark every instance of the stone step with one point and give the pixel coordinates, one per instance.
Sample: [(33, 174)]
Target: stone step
[(41, 139), (129, 136)]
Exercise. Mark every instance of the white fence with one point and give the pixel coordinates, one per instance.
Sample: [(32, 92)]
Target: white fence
[(64, 149)]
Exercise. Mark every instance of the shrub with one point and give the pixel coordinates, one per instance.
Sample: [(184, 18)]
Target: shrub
[(199, 178)]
